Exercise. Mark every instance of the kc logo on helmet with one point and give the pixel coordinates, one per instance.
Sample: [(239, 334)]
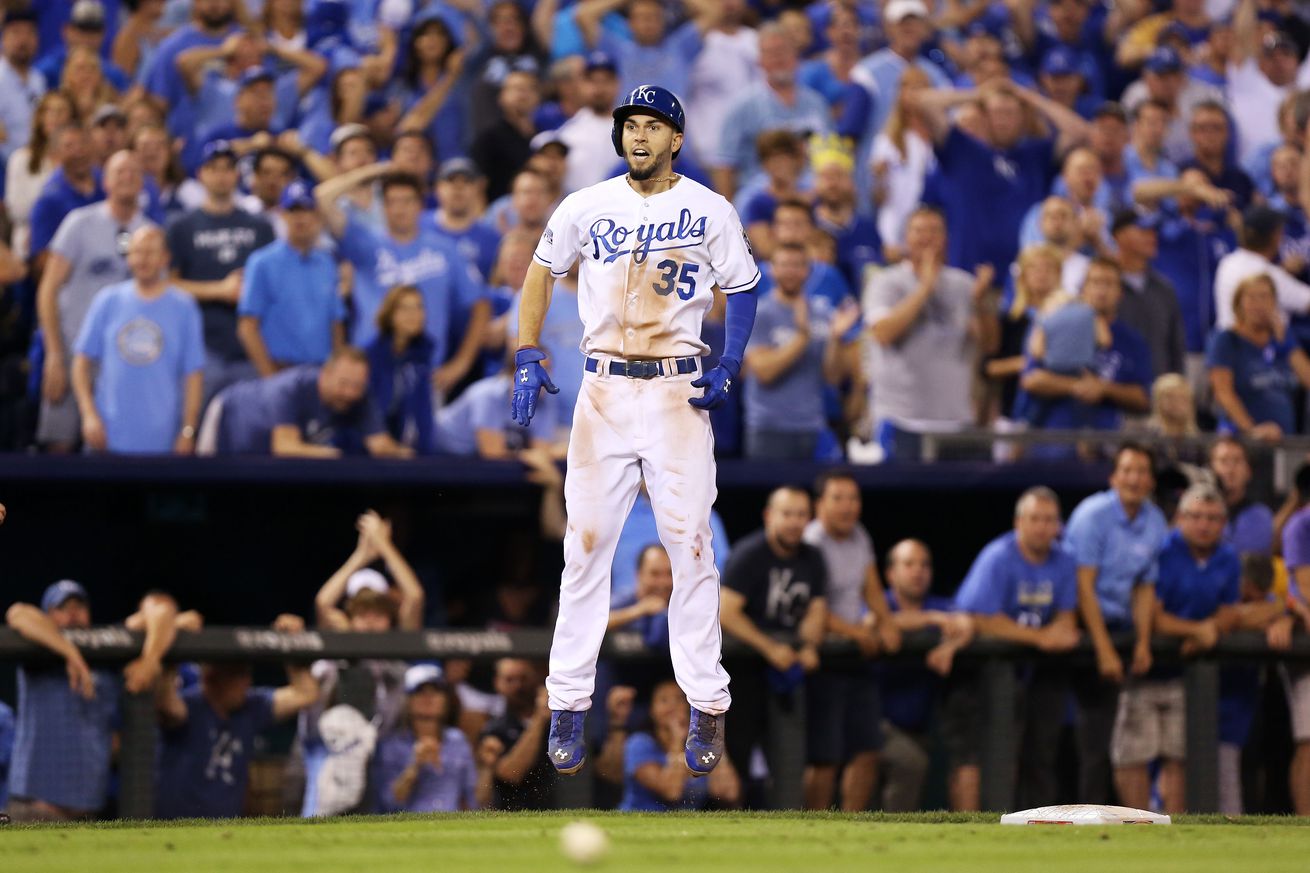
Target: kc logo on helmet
[(644, 94)]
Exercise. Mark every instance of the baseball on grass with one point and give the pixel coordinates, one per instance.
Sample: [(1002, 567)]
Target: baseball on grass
[(583, 842)]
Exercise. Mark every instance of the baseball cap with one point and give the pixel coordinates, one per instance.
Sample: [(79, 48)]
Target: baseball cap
[(60, 592), (1278, 41), (899, 10), (219, 148), (599, 60), (421, 674), (1134, 218), (253, 75), (1262, 220), (1163, 60), (547, 138), (453, 167), (87, 15), (345, 133), (1060, 61), (298, 196), (108, 112), (366, 580)]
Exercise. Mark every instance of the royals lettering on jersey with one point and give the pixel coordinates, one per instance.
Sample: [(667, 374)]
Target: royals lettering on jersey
[(648, 264)]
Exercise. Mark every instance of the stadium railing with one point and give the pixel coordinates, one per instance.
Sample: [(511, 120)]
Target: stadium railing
[(995, 662)]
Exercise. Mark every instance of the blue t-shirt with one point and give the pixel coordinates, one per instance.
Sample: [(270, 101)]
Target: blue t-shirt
[(145, 350), (654, 629), (1002, 581), (295, 298), (62, 742), (668, 63), (1262, 377), (253, 408), (1250, 528), (1001, 185), (909, 690), (428, 261), (1124, 552), (204, 763), (478, 243), (640, 531), (449, 788), (1127, 361), (1194, 590), (1188, 256), (56, 200), (793, 402), (206, 247), (639, 750)]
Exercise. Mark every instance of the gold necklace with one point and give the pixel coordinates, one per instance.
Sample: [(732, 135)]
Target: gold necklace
[(675, 177)]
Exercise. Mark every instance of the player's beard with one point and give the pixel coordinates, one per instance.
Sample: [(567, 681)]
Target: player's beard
[(657, 168)]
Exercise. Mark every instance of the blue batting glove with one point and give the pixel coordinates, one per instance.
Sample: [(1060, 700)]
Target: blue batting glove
[(529, 378), (717, 384)]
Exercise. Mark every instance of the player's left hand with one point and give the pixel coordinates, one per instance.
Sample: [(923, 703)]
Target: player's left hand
[(717, 384), (529, 378)]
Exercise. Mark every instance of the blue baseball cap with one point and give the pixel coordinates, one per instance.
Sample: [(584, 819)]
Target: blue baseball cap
[(599, 60), (1060, 61), (452, 167), (1163, 60), (60, 592), (297, 196), (253, 75), (218, 148)]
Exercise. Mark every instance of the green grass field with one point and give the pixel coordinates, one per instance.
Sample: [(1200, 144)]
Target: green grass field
[(705, 843)]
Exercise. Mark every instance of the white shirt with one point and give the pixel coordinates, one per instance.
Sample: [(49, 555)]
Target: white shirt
[(591, 151), (19, 95), (1253, 102), (904, 182), (727, 65), (21, 190), (648, 264), (1293, 294)]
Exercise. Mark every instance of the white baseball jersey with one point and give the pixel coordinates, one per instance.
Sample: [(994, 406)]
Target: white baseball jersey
[(648, 264)]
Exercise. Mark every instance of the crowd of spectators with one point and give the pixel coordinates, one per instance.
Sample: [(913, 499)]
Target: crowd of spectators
[(969, 214), (1139, 561)]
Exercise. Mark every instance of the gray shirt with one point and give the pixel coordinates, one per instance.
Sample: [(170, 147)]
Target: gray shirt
[(95, 246), (793, 402), (848, 563), (1150, 307), (923, 380)]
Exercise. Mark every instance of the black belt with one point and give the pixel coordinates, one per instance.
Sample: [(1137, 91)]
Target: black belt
[(644, 369)]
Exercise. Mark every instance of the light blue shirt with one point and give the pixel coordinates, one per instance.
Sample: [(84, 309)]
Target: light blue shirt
[(667, 64), (295, 298), (62, 740), (18, 99), (448, 788), (561, 340), (1002, 581), (792, 403), (1124, 552), (484, 405), (1138, 171), (145, 349), (215, 100), (640, 531), (428, 261), (758, 110)]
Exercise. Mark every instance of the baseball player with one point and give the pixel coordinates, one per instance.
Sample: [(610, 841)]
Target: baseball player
[(652, 246)]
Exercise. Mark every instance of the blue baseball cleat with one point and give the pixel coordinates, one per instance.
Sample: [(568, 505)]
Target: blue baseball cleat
[(565, 746), (704, 742)]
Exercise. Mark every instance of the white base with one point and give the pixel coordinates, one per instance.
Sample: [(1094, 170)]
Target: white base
[(1084, 814)]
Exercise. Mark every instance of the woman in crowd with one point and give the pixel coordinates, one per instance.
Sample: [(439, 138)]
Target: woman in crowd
[(1173, 417), (655, 776), (1037, 279), (30, 166), (426, 86), (400, 368), (902, 156), (426, 764), (84, 82), (1255, 366)]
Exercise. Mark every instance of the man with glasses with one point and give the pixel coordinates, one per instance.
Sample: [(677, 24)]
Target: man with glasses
[(87, 253)]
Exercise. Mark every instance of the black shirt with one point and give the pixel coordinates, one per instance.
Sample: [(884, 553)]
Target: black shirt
[(778, 590), (537, 790), (500, 152)]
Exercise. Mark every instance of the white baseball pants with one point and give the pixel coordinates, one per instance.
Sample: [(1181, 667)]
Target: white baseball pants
[(625, 430)]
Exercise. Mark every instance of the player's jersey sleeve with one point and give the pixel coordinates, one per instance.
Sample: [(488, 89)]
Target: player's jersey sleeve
[(732, 262), (560, 241)]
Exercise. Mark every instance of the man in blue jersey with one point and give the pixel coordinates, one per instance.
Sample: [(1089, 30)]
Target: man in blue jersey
[(1024, 589), (1115, 536), (405, 253)]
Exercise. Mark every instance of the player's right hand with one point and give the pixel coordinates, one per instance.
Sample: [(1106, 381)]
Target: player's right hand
[(529, 378)]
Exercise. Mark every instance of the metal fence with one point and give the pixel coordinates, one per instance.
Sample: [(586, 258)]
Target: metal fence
[(993, 661)]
